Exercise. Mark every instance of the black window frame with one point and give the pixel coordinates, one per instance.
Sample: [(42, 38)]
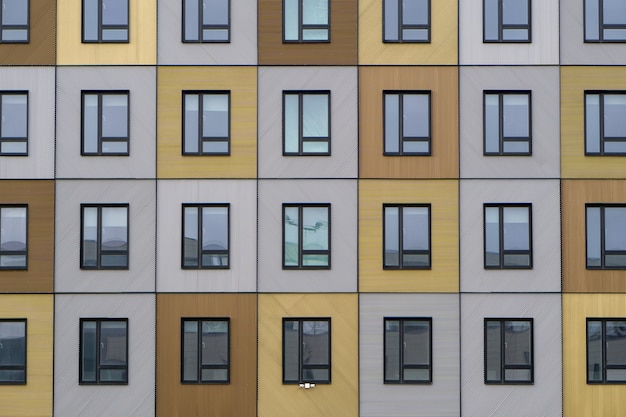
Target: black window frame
[(21, 252), (301, 251), (401, 251), (302, 367), (605, 366), (503, 365), (202, 26), (601, 25), (502, 252), (101, 139), (23, 368), (501, 122), (199, 380), (601, 122), (602, 227), (14, 139), (401, 344), (99, 251), (201, 139), (402, 26), (202, 252), (301, 138), (15, 27), (99, 344), (102, 27), (401, 138), (302, 27), (503, 26)]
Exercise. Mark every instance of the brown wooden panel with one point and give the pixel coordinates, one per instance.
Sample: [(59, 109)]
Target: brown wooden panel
[(443, 84), (41, 48), (235, 399), (575, 194), (341, 50), (39, 195)]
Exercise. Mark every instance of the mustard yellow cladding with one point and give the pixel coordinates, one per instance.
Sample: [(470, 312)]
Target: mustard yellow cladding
[(581, 399), (441, 50), (35, 397), (139, 50), (340, 397), (442, 195), (241, 82), (574, 82)]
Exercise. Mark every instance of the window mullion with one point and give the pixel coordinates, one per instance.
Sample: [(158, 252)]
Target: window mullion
[(98, 341), (100, 116), (200, 123), (400, 13), (501, 123), (500, 29), (200, 343), (601, 37), (602, 239), (401, 347), (200, 238), (98, 236), (300, 351), (601, 121), (603, 322), (200, 21), (100, 6), (300, 123), (300, 21), (502, 351), (300, 237), (401, 123), (501, 235), (400, 237)]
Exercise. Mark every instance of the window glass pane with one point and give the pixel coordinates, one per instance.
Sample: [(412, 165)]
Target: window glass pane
[(290, 20), (415, 260), (215, 35), (516, 228), (593, 236), (392, 350), (517, 374), (215, 115), (315, 34), (391, 20), (215, 12), (515, 34), (315, 338), (515, 12), (191, 20), (190, 350), (492, 124), (315, 147), (392, 123), (13, 147), (413, 146), (315, 228), (415, 34), (615, 228), (291, 122), (14, 12), (615, 147), (14, 35), (594, 350), (415, 233), (214, 228), (214, 343), (90, 123), (114, 228), (616, 375), (614, 34), (291, 236), (314, 12), (315, 115), (215, 147), (509, 146), (515, 115), (415, 12), (113, 343), (88, 350), (491, 20), (615, 344), (112, 375), (90, 20), (13, 342), (214, 374), (115, 115), (190, 239), (14, 115), (90, 236), (392, 227), (592, 123), (517, 346), (290, 351), (492, 236), (416, 342), (614, 12), (13, 224), (592, 20), (315, 260), (615, 115), (416, 374), (191, 123), (114, 147), (416, 115), (493, 342), (115, 34), (114, 12)]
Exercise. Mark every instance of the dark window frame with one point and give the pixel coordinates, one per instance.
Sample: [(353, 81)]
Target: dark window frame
[(25, 251), (201, 139), (17, 367), (601, 25), (401, 138), (98, 344), (16, 139), (602, 226), (202, 252), (301, 366), (102, 27), (402, 26), (502, 26), (199, 380), (502, 252), (402, 252), (503, 365), (302, 26), (202, 26), (100, 94), (605, 366), (301, 251), (25, 27), (601, 138), (401, 343), (301, 138), (99, 251), (502, 139)]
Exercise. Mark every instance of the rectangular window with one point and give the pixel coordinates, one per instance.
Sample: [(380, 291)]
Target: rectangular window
[(13, 123), (306, 350), (408, 350), (205, 236), (507, 121), (506, 20), (13, 237), (14, 21), (406, 21), (606, 236), (206, 21), (105, 123), (606, 356), (206, 122), (105, 21), (306, 21), (605, 123), (103, 351), (306, 236), (605, 20), (104, 236), (306, 123), (509, 351), (205, 351), (407, 122), (406, 230), (508, 236), (12, 351)]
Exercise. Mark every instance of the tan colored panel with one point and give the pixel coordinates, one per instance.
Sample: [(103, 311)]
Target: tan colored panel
[(341, 50), (39, 195), (574, 82), (235, 399), (242, 84), (443, 197), (574, 195), (443, 84)]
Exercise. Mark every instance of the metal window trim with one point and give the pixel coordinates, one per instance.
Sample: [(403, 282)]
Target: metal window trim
[(301, 138), (603, 251), (301, 252), (601, 137), (25, 26), (401, 138), (27, 231), (102, 27), (402, 26), (98, 366), (502, 252), (201, 138), (101, 139), (503, 365), (199, 380), (301, 366), (401, 364), (202, 26), (502, 26), (302, 26), (401, 251), (18, 367), (199, 265), (99, 251), (501, 138)]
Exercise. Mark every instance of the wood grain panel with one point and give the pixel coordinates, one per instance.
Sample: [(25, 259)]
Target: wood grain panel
[(443, 84), (235, 399)]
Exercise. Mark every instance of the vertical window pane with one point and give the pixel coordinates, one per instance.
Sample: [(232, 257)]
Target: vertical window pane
[(192, 21), (592, 123), (492, 123), (416, 342), (88, 351), (392, 350), (292, 115), (114, 12), (416, 115), (14, 116), (615, 228), (614, 12), (615, 342), (215, 12), (594, 351), (14, 12), (592, 20), (392, 227), (190, 240), (13, 344), (112, 343), (593, 237), (491, 20), (315, 343), (315, 228), (492, 236), (90, 20), (191, 123), (13, 223), (291, 236), (215, 230), (90, 236), (415, 12), (114, 115), (391, 20), (114, 228), (215, 115), (190, 351), (415, 231), (315, 115), (214, 343), (291, 351), (515, 12), (392, 123), (615, 115), (493, 352), (290, 19), (517, 344), (515, 115), (315, 12), (90, 123), (516, 228)]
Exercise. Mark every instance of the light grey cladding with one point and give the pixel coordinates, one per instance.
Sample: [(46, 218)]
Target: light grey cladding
[(543, 397), (135, 399), (342, 197), (543, 83), (140, 82), (241, 195), (342, 84), (140, 196), (441, 398), (545, 275), (542, 50), (39, 82), (242, 49)]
